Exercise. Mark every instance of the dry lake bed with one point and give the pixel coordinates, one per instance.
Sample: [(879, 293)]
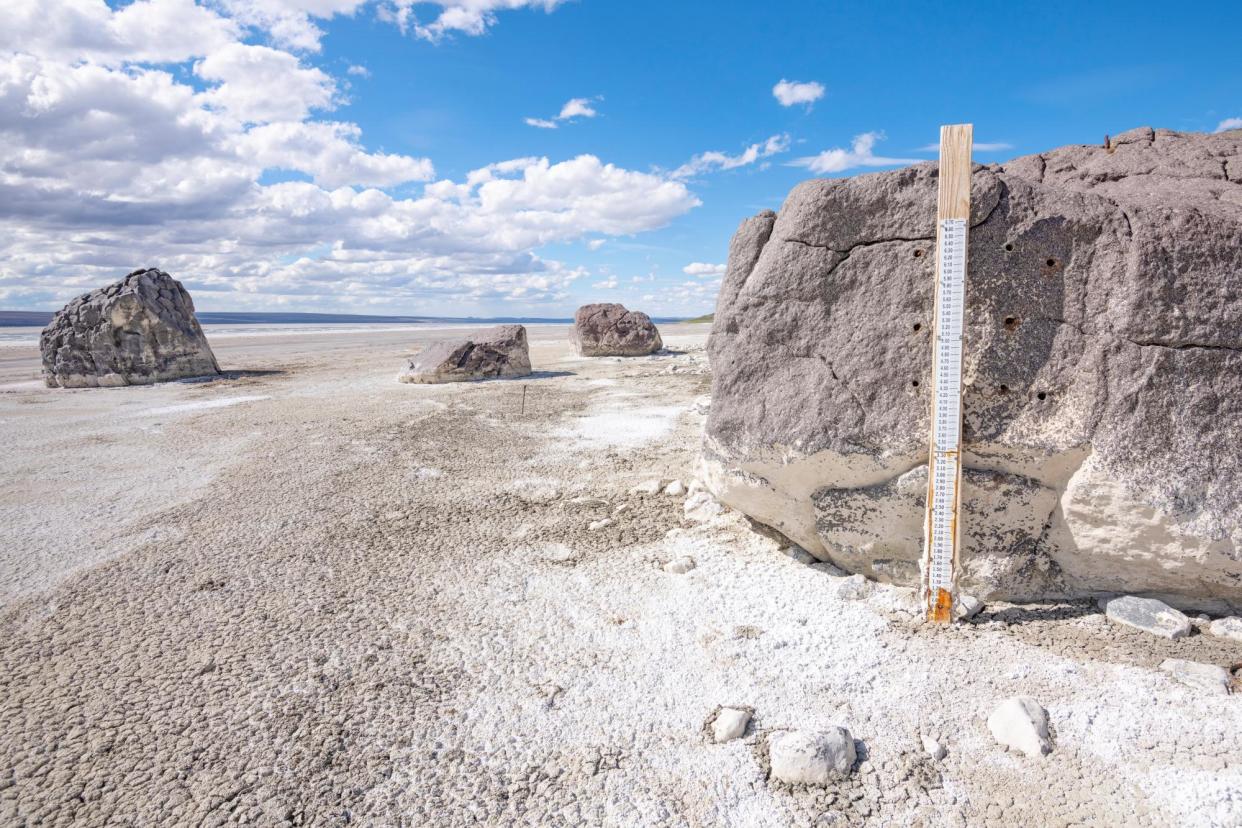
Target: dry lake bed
[(307, 594)]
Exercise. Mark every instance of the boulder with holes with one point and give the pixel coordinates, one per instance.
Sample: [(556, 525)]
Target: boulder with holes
[(608, 329), (137, 331), (1102, 373), (493, 353)]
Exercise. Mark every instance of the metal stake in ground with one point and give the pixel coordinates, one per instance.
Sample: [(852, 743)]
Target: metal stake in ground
[(944, 465)]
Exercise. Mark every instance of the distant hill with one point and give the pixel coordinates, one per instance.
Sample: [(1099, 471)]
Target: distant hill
[(707, 318), (24, 319), (37, 319)]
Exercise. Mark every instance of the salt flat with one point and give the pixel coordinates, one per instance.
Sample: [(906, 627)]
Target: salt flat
[(305, 593)]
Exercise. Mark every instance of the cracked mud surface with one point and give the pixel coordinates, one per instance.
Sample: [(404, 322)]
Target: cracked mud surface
[(329, 598)]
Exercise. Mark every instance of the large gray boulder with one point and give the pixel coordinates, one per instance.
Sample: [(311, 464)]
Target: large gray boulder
[(501, 351), (1103, 371), (608, 329), (137, 331)]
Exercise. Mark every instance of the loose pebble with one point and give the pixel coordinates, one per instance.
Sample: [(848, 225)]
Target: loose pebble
[(680, 566), (1021, 724), (800, 757), (730, 724), (1148, 615)]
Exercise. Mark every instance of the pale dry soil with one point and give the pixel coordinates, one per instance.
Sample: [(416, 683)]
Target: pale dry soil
[(318, 596)]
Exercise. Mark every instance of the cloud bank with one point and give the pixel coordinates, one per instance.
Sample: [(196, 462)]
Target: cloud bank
[(160, 135)]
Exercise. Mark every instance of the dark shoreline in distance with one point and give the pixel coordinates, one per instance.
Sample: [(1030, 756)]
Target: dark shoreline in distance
[(37, 319)]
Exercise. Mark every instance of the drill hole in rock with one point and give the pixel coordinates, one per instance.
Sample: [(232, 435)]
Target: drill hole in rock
[(918, 254), (915, 383), (1011, 322), (1004, 389), (1051, 262), (918, 325), (1042, 395), (1008, 247)]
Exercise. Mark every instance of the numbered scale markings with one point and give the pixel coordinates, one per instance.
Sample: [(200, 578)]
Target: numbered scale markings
[(947, 407)]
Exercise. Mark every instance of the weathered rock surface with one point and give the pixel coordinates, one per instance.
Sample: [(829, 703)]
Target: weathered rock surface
[(501, 351), (1148, 615), (800, 757), (137, 331), (1208, 678), (1021, 723), (1103, 372), (608, 329)]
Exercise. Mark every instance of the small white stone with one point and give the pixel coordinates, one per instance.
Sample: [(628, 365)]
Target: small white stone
[(622, 509), (811, 758), (680, 566), (702, 404), (599, 524), (1230, 627), (696, 486), (649, 487), (854, 588), (933, 748), (966, 606), (676, 488), (701, 507), (730, 724), (1209, 678), (1021, 724)]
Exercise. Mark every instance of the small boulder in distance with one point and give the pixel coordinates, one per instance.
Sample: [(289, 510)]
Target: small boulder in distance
[(138, 331), (608, 329), (495, 352)]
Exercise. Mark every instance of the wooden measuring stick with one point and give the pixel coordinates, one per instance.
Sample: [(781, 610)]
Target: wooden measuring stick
[(944, 467)]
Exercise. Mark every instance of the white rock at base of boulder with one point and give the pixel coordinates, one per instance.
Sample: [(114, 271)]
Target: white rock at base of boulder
[(854, 588), (800, 757), (933, 748), (1206, 677), (599, 524), (680, 566), (701, 506), (799, 554), (966, 606), (1230, 627), (730, 724), (1148, 615), (676, 488), (1021, 724)]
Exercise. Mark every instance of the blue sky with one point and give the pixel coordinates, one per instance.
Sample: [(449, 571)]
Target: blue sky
[(338, 180)]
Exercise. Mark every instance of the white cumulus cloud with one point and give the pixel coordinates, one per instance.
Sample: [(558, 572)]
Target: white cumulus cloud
[(860, 154), (792, 93), (703, 269), (231, 176), (573, 108), (714, 160), (1228, 124), (469, 17)]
